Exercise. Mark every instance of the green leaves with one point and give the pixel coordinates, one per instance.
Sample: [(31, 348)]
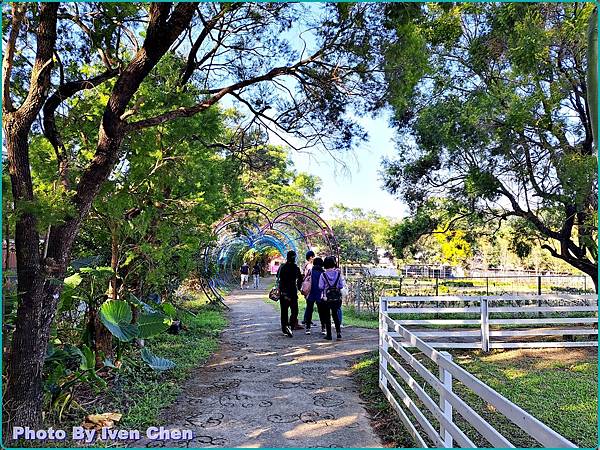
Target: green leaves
[(156, 362), (501, 124), (152, 324), (116, 316)]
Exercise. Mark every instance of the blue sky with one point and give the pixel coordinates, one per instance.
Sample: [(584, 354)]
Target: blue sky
[(359, 186)]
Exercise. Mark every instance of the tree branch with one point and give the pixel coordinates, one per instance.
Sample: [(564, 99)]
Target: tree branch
[(65, 91), (42, 66), (219, 94), (17, 18), (190, 66)]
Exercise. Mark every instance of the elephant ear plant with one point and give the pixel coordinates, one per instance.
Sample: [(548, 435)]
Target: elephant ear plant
[(117, 318)]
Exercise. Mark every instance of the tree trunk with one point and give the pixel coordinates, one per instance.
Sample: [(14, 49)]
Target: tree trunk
[(39, 284), (23, 399), (7, 254)]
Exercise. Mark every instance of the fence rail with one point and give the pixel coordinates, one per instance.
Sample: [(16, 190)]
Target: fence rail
[(365, 289), (481, 312), (394, 374)]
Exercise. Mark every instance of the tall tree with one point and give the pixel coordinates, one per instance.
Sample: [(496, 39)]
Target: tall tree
[(359, 234), (500, 125), (303, 93)]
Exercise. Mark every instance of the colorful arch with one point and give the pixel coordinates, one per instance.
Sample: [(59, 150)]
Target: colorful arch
[(287, 227)]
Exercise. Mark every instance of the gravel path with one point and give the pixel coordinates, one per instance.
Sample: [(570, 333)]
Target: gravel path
[(263, 389)]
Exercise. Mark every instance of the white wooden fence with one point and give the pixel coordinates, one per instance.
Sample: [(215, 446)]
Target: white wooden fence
[(481, 308), (393, 375)]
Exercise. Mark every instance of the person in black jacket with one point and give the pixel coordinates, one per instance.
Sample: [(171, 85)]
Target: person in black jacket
[(290, 281)]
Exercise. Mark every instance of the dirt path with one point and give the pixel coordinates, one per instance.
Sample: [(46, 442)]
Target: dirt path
[(266, 390)]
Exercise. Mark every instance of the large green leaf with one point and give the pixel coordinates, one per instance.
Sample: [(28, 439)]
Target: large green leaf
[(156, 362), (169, 310), (88, 359), (116, 316), (73, 281), (152, 324), (137, 302)]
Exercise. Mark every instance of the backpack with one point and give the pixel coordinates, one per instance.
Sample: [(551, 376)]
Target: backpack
[(332, 292), (306, 284)]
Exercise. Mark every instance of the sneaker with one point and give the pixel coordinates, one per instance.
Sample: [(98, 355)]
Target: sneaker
[(307, 331), (323, 331), (339, 336), (329, 338), (288, 332)]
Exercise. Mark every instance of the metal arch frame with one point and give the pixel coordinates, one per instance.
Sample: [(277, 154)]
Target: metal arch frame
[(274, 228)]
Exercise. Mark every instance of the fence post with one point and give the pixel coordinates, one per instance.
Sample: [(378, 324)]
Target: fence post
[(445, 405), (383, 344), (437, 285), (485, 325), (487, 285), (357, 295), (539, 280)]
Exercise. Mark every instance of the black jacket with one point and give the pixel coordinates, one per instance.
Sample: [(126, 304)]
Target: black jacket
[(290, 280)]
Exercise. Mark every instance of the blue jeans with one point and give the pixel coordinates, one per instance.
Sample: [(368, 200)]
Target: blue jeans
[(308, 312)]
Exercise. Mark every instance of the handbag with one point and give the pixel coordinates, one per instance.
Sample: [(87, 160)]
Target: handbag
[(275, 293), (306, 284)]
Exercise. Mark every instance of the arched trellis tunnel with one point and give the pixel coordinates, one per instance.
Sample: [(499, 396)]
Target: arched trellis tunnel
[(254, 226)]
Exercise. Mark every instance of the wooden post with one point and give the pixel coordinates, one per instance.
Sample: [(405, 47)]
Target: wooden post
[(487, 285), (485, 325), (539, 285), (437, 285), (357, 295), (383, 344), (445, 405)]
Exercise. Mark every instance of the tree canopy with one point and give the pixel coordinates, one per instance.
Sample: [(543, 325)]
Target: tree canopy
[(499, 125)]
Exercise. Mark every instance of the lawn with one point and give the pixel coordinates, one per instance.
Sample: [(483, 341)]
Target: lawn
[(557, 386), (350, 316)]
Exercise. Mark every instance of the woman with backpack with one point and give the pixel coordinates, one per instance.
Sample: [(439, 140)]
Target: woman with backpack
[(314, 294), (331, 284)]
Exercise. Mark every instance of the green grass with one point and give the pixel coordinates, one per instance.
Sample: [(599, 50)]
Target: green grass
[(559, 388), (384, 420), (562, 392), (350, 317), (364, 320), (141, 393)]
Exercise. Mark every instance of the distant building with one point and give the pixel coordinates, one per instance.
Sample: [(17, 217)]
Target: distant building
[(11, 255), (274, 265)]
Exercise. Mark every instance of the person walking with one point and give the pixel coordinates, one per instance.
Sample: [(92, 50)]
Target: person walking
[(244, 273), (314, 296), (256, 275), (290, 281), (306, 283), (331, 284)]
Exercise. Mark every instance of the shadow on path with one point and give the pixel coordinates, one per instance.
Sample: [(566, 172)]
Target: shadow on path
[(263, 389)]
